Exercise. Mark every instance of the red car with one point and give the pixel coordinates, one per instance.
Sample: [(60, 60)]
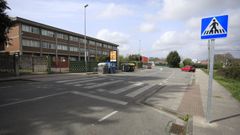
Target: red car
[(188, 68)]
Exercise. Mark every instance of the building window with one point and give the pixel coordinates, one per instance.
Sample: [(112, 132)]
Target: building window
[(82, 40), (105, 46), (114, 48), (99, 52), (30, 43), (48, 45), (91, 42), (30, 29), (62, 47), (73, 49), (99, 44), (109, 47), (73, 38), (47, 33), (92, 51), (73, 58), (105, 53), (62, 36)]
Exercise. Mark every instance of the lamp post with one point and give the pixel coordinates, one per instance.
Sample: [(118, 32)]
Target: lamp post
[(85, 38), (139, 51)]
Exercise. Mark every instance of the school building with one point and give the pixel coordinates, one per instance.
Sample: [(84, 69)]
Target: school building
[(32, 38)]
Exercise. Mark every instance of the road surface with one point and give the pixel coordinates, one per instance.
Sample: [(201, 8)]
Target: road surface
[(73, 104)]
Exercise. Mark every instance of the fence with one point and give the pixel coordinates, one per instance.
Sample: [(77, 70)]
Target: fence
[(79, 66), (7, 64), (28, 64)]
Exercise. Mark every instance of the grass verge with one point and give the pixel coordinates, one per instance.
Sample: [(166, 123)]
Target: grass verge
[(232, 85)]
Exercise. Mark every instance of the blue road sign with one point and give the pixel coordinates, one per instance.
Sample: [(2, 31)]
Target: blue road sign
[(214, 27)]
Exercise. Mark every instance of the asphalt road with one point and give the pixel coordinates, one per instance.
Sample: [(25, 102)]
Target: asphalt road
[(76, 104)]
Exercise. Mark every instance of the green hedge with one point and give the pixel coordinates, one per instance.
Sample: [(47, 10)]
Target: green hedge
[(230, 72)]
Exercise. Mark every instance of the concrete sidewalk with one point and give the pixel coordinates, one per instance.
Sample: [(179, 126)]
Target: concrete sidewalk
[(192, 100), (225, 118)]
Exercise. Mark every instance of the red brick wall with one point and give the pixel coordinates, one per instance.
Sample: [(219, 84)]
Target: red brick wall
[(14, 43)]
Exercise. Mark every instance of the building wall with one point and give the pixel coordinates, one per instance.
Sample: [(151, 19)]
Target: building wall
[(14, 36), (94, 50)]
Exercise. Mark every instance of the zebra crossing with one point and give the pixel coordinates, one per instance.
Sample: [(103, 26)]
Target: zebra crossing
[(127, 88)]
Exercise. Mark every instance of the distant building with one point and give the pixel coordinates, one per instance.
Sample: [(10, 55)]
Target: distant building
[(32, 38)]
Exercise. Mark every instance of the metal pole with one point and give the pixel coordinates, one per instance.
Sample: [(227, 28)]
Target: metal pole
[(208, 55), (139, 53), (209, 98), (85, 38)]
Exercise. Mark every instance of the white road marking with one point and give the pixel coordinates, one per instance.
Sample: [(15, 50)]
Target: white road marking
[(70, 80), (33, 99), (117, 91), (103, 84), (100, 98), (84, 81), (101, 90), (5, 87), (78, 85), (107, 116), (139, 91), (89, 84)]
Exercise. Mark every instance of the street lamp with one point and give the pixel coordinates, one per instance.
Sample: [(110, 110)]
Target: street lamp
[(85, 37)]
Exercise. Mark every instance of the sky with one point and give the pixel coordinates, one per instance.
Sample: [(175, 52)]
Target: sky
[(150, 27)]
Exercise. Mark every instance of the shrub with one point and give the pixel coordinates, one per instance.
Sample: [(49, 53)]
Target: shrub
[(230, 72)]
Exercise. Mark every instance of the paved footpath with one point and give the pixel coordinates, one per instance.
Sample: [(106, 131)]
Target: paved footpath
[(192, 100)]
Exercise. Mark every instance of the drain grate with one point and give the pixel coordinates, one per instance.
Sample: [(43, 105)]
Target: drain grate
[(177, 129)]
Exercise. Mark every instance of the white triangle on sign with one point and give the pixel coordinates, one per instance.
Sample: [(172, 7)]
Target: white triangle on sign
[(214, 28)]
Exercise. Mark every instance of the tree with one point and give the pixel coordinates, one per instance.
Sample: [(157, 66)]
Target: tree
[(5, 24), (134, 57), (122, 58), (187, 61), (173, 59)]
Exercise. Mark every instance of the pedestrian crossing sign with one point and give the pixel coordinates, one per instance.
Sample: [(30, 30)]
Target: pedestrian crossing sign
[(214, 27)]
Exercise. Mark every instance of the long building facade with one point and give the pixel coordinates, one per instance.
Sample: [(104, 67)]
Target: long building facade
[(32, 38)]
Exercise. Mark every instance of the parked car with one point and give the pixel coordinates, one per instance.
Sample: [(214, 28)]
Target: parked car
[(188, 68), (149, 66)]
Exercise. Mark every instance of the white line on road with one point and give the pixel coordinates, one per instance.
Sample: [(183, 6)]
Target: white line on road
[(84, 81), (107, 116), (139, 91), (103, 84), (33, 99), (4, 87), (100, 98), (117, 91), (70, 80)]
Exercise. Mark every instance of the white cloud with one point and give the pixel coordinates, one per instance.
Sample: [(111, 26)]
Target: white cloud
[(113, 10), (147, 27), (116, 37), (184, 9)]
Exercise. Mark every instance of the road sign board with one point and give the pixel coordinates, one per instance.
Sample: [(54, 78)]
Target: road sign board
[(214, 27), (113, 56)]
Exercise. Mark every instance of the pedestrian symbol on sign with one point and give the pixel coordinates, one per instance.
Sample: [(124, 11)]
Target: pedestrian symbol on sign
[(214, 27)]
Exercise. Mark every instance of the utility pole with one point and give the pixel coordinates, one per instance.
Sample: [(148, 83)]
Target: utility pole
[(85, 38)]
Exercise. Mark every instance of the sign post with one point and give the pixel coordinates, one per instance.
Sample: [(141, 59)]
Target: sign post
[(212, 28)]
